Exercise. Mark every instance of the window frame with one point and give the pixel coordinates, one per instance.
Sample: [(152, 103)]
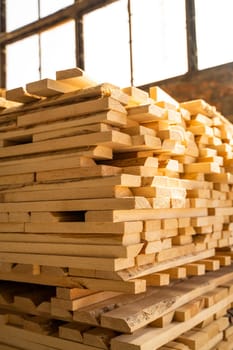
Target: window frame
[(76, 12)]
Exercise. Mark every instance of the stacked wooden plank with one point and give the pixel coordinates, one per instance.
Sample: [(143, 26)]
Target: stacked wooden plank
[(106, 193), (193, 312)]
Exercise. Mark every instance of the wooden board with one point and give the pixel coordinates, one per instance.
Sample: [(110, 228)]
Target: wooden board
[(48, 87), (72, 110)]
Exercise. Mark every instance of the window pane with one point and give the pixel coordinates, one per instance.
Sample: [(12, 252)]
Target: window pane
[(159, 40), (57, 49), (20, 13), (214, 29), (49, 6), (106, 44), (22, 62)]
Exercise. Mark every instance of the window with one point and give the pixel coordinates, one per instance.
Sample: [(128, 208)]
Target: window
[(57, 49), (22, 62), (117, 41), (159, 40), (106, 44), (214, 35), (20, 13), (49, 6)]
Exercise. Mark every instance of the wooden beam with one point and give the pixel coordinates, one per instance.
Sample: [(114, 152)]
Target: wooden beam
[(191, 35)]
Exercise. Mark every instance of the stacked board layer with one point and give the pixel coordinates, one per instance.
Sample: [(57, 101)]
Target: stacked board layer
[(109, 197)]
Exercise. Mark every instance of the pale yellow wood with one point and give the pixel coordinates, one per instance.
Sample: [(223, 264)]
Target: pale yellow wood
[(21, 95), (195, 269), (145, 113), (33, 341), (71, 293), (69, 261), (80, 173), (151, 338), (189, 310), (79, 250), (75, 77), (5, 104), (199, 106), (27, 178), (98, 337), (149, 214), (79, 204), (176, 272), (136, 95), (163, 321), (112, 139), (202, 168), (157, 279), (84, 227), (73, 110), (157, 94), (70, 131), (48, 87), (80, 302), (73, 331)]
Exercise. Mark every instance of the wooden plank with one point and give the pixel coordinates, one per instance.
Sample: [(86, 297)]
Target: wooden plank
[(21, 95), (157, 279), (120, 181), (79, 250), (104, 264), (90, 238), (24, 337), (77, 173), (98, 337), (5, 104), (92, 314), (151, 338), (136, 95), (199, 106), (45, 164), (206, 168), (130, 318), (27, 178), (149, 214), (70, 131), (75, 77), (73, 331), (157, 94), (189, 310), (195, 340), (95, 239), (71, 293), (163, 321), (48, 87), (68, 111), (11, 227), (81, 302), (76, 205), (85, 227), (167, 264), (101, 90), (44, 131), (66, 193), (113, 139), (146, 113)]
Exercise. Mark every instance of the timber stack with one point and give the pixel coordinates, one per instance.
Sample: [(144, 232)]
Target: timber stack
[(116, 219)]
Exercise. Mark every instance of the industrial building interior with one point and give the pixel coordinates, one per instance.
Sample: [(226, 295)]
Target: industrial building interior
[(116, 175)]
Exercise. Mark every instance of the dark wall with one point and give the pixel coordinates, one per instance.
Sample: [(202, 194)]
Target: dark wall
[(214, 85)]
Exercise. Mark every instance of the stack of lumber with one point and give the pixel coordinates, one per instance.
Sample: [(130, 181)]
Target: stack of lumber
[(192, 312), (116, 219)]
